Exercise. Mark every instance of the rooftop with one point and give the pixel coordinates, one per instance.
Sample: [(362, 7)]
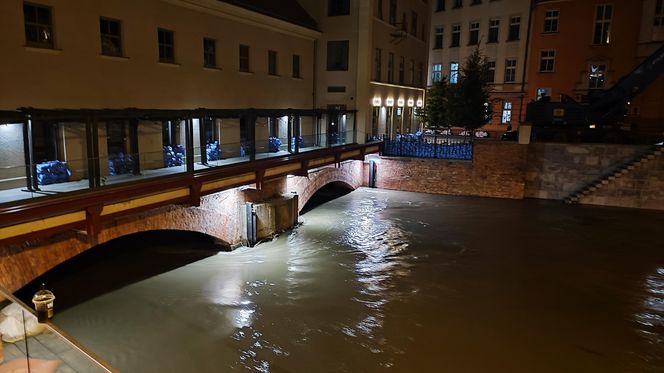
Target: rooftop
[(286, 10)]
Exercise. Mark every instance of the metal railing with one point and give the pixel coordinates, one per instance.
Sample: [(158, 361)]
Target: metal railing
[(439, 147), (32, 346)]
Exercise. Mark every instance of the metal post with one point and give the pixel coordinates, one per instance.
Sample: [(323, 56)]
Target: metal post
[(133, 145), (251, 223), (203, 140), (291, 139), (296, 128), (92, 146), (28, 151), (189, 144)]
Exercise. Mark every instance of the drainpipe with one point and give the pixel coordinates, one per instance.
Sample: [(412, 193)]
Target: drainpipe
[(525, 60)]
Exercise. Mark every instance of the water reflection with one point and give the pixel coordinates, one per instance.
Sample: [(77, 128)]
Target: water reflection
[(651, 318)]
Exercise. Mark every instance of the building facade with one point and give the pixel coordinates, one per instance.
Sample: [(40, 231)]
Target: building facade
[(499, 28), (582, 47), (372, 58)]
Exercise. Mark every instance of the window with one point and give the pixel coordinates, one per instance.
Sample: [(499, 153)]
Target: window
[(393, 12), (515, 28), (440, 5), (507, 112), (402, 69), (272, 62), (244, 58), (209, 53), (412, 72), (438, 38), (476, 2), (551, 21), (457, 4), (390, 68), (602, 34), (379, 9), (378, 64), (338, 8), (547, 61), (111, 39), (420, 74), (659, 13), (456, 36), (404, 22), (166, 46), (494, 30), (510, 71), (337, 55), (491, 72), (454, 73), (436, 72), (596, 76), (38, 25), (413, 23), (474, 33), (296, 66)]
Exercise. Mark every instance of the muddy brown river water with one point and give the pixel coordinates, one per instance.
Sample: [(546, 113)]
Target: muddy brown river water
[(386, 281)]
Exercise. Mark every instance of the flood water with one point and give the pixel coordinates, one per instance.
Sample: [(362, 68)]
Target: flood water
[(385, 281)]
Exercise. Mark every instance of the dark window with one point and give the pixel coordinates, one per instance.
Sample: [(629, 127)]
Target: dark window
[(111, 38), (476, 2), (456, 35), (474, 33), (393, 12), (491, 72), (377, 64), (412, 72), (338, 7), (337, 55), (494, 30), (272, 62), (659, 13), (510, 71), (551, 21), (515, 28), (209, 53), (336, 89), (413, 23), (457, 4), (547, 61), (296, 66), (402, 69), (420, 74), (603, 14), (244, 58), (440, 5), (379, 9), (438, 38), (166, 46), (390, 68), (38, 25)]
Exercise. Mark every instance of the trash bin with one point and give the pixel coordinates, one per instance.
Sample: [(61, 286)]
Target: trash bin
[(43, 301)]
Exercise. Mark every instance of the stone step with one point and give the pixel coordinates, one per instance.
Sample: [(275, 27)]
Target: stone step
[(605, 182), (651, 156)]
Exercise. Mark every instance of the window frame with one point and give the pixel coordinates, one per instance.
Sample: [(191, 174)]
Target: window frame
[(40, 27), (244, 58), (436, 72), (455, 41), (547, 61), (337, 8), (207, 54), (110, 36), (511, 68), (474, 33), (603, 74), (343, 65), (493, 36), (296, 67), (604, 24), (378, 65), (164, 46), (438, 37), (551, 21), (512, 24), (454, 72)]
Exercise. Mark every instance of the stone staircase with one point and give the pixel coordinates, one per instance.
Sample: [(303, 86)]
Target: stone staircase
[(625, 169)]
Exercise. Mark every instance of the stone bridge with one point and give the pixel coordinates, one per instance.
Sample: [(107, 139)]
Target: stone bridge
[(220, 215)]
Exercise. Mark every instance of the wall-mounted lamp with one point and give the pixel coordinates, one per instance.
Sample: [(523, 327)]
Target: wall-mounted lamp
[(400, 102), (389, 102), (420, 103), (376, 101), (411, 102)]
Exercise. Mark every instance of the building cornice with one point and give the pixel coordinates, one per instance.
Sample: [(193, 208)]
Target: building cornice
[(248, 17)]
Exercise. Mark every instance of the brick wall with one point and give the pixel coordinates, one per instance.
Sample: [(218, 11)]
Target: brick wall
[(497, 170), (555, 171)]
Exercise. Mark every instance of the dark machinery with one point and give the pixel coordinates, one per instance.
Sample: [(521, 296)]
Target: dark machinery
[(602, 117)]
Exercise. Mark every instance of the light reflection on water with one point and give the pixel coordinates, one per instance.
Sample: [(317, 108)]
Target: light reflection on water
[(402, 282)]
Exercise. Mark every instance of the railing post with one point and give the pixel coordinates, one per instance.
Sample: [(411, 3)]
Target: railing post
[(203, 139), (189, 144), (92, 145), (28, 149)]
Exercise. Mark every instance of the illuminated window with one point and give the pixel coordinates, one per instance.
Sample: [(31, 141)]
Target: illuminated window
[(166, 46), (602, 33), (436, 72), (111, 39), (454, 73), (38, 25), (507, 112), (551, 21), (596, 76)]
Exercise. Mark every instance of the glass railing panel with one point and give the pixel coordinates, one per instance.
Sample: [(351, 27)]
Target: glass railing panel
[(272, 147), (28, 345), (312, 142), (117, 169)]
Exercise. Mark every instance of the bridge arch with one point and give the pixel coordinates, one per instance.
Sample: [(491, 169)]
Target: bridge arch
[(349, 173)]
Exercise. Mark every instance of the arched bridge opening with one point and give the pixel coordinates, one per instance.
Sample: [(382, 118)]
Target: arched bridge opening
[(328, 192), (121, 262)]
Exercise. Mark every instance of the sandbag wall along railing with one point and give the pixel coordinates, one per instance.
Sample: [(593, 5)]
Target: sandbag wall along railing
[(414, 145)]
